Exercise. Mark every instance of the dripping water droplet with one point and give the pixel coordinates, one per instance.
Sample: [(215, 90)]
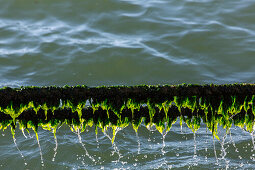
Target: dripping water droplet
[(215, 153), (165, 131), (42, 163), (252, 139), (24, 133), (97, 140), (223, 150), (138, 143), (115, 148), (82, 144), (56, 147), (14, 141), (233, 142)]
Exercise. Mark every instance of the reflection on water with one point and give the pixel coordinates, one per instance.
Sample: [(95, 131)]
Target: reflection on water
[(127, 42), (149, 150)]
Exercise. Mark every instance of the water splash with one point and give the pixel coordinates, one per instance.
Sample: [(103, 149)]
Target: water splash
[(42, 162), (252, 139), (223, 150), (97, 140), (233, 142), (77, 132), (164, 133), (195, 145), (215, 153), (151, 128), (195, 150), (115, 148), (14, 141), (56, 147), (163, 145), (138, 143), (181, 121), (24, 133)]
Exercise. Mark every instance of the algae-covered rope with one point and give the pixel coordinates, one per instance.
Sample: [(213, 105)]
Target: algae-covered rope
[(121, 105), (44, 94)]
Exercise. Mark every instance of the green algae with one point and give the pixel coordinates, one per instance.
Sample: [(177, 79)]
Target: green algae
[(119, 106)]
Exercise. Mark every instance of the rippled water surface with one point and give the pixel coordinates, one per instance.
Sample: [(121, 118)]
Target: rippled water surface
[(110, 42), (126, 42), (181, 148)]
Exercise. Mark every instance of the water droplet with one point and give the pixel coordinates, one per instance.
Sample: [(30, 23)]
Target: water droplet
[(23, 133), (14, 141), (56, 147), (252, 139), (83, 145), (115, 148), (138, 143), (215, 153)]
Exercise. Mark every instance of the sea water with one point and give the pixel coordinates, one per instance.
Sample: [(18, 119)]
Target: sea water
[(126, 42)]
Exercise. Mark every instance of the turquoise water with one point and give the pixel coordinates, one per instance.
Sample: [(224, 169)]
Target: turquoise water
[(127, 42)]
